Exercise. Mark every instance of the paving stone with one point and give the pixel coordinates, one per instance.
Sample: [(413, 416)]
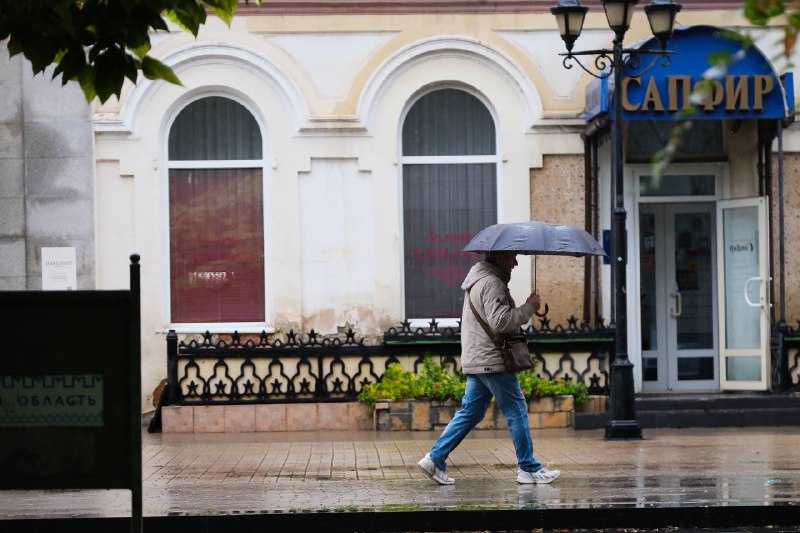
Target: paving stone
[(192, 474)]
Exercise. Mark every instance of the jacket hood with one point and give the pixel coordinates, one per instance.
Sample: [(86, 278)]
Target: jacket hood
[(480, 271)]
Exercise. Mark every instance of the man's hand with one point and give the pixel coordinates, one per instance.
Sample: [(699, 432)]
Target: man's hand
[(534, 300)]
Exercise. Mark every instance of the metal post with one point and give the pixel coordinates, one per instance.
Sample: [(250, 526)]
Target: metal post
[(173, 395), (320, 388), (623, 423), (137, 522)]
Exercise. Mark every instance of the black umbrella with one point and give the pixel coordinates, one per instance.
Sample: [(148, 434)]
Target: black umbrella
[(535, 238)]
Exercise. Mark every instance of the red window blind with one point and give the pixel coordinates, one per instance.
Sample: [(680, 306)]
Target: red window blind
[(216, 227)]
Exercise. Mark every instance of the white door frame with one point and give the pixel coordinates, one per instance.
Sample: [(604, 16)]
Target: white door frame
[(667, 307), (634, 198), (674, 353), (763, 304)]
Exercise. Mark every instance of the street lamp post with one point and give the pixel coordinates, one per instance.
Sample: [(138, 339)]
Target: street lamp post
[(570, 15)]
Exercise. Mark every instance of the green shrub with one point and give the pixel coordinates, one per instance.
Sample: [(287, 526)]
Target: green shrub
[(535, 387), (437, 383), (434, 382)]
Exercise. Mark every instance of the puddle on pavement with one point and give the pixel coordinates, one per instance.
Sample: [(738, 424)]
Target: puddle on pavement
[(310, 495)]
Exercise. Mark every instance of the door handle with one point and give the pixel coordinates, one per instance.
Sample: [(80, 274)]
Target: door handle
[(675, 313), (746, 297)]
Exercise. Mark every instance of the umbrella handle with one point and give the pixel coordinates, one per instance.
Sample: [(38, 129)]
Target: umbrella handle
[(544, 314)]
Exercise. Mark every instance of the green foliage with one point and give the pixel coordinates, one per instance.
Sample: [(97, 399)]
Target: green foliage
[(436, 383), (433, 381), (100, 43), (535, 387), (759, 12)]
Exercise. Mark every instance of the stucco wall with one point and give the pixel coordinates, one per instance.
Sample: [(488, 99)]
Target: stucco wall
[(333, 189), (330, 93), (557, 196), (46, 175)]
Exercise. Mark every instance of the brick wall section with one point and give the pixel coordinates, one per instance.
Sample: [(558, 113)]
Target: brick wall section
[(596, 404), (424, 415), (557, 196), (349, 416), (408, 415), (791, 212)]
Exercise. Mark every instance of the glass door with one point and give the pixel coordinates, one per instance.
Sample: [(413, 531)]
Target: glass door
[(743, 293), (677, 265), (691, 297), (652, 296)]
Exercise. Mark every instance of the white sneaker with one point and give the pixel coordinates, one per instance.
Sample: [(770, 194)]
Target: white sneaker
[(542, 476), (439, 476)]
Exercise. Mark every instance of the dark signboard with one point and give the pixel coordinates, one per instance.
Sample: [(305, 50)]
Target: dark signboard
[(64, 390), (70, 413)]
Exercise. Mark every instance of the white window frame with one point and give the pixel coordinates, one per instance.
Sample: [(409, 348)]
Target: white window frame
[(721, 183), (166, 310), (452, 322)]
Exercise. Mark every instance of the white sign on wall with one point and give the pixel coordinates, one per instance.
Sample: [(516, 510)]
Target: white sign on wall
[(59, 270)]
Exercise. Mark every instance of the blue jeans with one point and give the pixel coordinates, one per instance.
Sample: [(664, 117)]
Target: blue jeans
[(504, 386)]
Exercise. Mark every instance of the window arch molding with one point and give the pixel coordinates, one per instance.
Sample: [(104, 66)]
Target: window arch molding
[(204, 55), (258, 165), (435, 225), (452, 46)]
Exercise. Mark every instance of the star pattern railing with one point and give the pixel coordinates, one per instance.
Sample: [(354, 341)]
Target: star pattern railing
[(266, 368)]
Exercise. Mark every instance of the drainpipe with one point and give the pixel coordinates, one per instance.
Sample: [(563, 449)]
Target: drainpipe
[(781, 235), (587, 224), (596, 232), (772, 132), (589, 135), (785, 379), (760, 166)]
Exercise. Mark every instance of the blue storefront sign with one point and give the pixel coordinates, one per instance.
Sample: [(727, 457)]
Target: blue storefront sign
[(747, 88)]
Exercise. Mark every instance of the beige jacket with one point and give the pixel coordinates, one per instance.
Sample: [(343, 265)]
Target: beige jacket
[(488, 288)]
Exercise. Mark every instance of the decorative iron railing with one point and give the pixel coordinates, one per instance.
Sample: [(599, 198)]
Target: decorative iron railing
[(785, 357), (242, 368)]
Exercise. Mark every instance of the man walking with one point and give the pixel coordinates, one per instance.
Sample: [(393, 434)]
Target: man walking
[(481, 361)]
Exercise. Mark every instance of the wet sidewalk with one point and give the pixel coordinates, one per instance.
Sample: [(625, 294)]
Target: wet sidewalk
[(374, 472)]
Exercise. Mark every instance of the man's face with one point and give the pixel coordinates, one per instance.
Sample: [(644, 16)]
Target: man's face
[(506, 261)]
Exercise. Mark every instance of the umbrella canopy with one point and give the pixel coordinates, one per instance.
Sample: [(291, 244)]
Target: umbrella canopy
[(535, 238)]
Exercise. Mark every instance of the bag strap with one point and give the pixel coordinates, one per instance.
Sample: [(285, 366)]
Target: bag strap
[(483, 323)]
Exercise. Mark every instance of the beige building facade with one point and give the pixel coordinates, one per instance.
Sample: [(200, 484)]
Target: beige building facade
[(338, 112)]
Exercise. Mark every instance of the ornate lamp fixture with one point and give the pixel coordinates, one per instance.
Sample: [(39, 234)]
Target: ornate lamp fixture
[(570, 15), (661, 15)]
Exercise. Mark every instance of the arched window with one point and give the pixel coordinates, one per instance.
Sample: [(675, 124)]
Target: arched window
[(449, 167), (216, 214)]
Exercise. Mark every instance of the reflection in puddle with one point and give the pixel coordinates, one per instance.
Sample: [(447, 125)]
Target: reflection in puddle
[(592, 492)]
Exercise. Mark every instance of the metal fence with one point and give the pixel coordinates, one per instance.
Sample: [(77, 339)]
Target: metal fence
[(266, 368), (785, 357)]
